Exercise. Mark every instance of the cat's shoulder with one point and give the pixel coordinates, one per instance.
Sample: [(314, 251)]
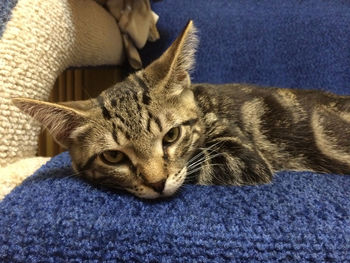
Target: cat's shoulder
[(231, 89)]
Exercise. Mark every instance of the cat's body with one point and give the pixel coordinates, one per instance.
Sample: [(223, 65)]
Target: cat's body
[(273, 129), (153, 131)]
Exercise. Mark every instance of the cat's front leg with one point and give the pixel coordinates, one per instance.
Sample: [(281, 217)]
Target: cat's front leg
[(227, 161)]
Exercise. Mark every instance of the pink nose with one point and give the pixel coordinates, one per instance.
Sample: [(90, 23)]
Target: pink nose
[(157, 186)]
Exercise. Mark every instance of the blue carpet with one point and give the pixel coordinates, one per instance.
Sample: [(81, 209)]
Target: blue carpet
[(55, 217)]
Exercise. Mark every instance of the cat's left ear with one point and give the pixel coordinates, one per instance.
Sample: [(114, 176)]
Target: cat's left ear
[(60, 120), (171, 70)]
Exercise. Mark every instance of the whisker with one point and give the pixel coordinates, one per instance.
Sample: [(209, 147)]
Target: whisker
[(201, 167), (189, 165), (199, 155), (202, 158), (74, 174), (207, 150), (212, 146), (199, 162), (219, 179)]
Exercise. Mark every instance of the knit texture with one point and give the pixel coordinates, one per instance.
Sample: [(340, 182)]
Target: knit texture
[(301, 217), (41, 39), (53, 217), (14, 173)]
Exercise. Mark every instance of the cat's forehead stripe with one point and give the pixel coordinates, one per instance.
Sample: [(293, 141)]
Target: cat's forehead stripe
[(121, 118), (156, 120), (146, 99), (141, 83), (114, 133), (190, 122), (106, 114), (113, 102)]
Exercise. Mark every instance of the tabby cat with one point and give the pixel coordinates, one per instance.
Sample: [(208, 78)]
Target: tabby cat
[(155, 131)]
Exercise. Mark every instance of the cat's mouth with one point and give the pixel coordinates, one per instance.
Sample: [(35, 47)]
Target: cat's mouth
[(172, 185)]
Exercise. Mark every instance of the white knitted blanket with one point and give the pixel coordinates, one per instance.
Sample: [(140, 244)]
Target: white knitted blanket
[(41, 40)]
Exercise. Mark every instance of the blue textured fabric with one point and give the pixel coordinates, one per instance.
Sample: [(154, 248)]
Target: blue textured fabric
[(55, 217), (5, 13), (296, 44)]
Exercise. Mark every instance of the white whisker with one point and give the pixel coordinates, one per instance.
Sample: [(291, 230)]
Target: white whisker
[(207, 150), (200, 168), (199, 162), (74, 174)]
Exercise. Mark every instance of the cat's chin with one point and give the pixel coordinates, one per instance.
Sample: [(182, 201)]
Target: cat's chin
[(172, 184)]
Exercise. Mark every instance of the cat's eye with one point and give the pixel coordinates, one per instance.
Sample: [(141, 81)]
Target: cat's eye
[(112, 157), (172, 136)]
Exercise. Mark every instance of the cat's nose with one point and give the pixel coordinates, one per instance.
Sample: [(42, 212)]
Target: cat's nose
[(158, 186)]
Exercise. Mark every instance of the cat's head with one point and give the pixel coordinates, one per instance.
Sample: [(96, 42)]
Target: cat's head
[(137, 135)]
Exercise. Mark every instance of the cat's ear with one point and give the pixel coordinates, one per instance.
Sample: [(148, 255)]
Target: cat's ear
[(171, 70), (60, 120)]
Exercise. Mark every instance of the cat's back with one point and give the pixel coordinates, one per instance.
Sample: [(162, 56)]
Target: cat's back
[(294, 128), (235, 95)]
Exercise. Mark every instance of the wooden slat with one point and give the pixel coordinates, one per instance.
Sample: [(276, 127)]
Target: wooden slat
[(78, 84), (69, 89)]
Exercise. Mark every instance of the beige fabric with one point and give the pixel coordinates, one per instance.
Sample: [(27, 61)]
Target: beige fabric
[(40, 41), (13, 174)]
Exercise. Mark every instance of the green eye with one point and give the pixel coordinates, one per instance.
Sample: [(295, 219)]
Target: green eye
[(112, 157), (171, 136)]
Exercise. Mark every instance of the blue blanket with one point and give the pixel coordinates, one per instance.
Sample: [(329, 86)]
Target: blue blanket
[(55, 217), (300, 216)]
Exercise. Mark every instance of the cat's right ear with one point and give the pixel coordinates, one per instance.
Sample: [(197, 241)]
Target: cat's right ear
[(60, 120), (170, 72)]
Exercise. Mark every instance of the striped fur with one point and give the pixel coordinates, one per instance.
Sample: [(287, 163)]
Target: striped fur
[(231, 134)]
